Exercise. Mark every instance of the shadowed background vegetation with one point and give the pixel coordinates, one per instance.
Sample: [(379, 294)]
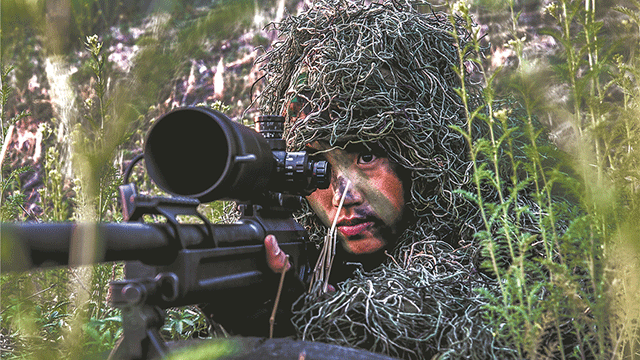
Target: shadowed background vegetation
[(82, 81)]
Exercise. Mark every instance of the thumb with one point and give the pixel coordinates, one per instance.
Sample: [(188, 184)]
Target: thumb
[(276, 258)]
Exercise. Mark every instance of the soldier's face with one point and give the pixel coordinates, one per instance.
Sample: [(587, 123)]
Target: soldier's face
[(374, 200)]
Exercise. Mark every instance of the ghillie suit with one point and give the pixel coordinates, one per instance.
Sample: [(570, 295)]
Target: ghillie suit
[(385, 73)]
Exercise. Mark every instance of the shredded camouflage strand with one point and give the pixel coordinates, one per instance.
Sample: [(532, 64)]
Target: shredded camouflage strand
[(408, 307), (323, 266)]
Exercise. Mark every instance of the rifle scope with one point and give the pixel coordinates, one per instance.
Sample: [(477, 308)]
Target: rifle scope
[(200, 153)]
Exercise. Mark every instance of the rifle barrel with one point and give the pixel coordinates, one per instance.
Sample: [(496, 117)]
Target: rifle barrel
[(30, 245)]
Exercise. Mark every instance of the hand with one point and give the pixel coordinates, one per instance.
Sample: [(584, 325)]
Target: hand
[(276, 258)]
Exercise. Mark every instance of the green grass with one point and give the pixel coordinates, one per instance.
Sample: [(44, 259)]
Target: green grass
[(575, 299)]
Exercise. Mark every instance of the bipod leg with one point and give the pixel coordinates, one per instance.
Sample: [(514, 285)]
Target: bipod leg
[(141, 322)]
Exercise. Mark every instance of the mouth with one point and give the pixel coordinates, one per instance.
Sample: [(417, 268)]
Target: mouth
[(355, 226)]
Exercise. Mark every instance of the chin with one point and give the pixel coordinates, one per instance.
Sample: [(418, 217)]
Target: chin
[(364, 246)]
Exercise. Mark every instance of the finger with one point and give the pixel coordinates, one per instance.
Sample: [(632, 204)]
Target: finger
[(276, 258)]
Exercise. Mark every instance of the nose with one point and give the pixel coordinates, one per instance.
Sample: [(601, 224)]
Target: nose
[(341, 185)]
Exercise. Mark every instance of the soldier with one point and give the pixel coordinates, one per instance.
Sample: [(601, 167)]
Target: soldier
[(373, 88)]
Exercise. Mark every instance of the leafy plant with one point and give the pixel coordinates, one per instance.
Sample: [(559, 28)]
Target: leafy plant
[(55, 194), (103, 333), (185, 323), (96, 140), (11, 200), (558, 260), (41, 308)]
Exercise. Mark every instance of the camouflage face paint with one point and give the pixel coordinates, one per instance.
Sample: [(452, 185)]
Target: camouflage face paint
[(374, 203)]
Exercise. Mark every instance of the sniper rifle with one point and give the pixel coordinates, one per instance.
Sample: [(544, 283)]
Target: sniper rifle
[(196, 155)]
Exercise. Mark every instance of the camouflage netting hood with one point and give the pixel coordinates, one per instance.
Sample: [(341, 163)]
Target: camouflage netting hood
[(385, 74), (345, 71)]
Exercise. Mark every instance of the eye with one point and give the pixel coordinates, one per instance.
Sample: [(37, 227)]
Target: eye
[(366, 158)]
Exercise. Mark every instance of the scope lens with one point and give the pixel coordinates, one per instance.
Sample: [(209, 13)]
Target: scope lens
[(190, 152)]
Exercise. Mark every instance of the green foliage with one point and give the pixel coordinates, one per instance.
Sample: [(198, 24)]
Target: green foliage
[(5, 91), (64, 313), (33, 318), (41, 309), (103, 334), (565, 284), (19, 21), (55, 195), (185, 323), (11, 200), (96, 140)]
